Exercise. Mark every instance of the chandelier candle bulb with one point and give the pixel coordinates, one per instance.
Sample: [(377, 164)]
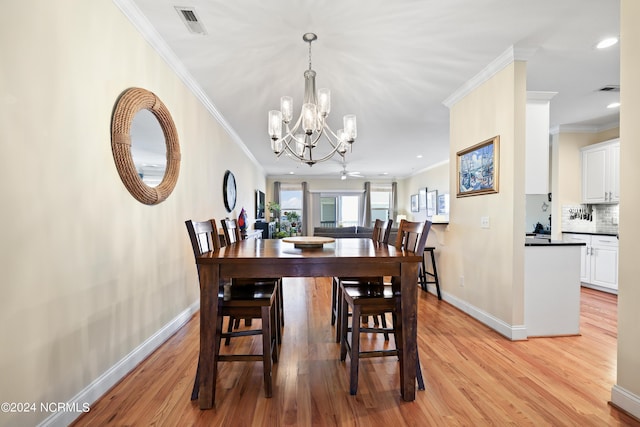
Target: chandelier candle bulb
[(309, 118), (350, 127), (324, 101), (276, 145), (275, 124), (286, 106), (342, 141)]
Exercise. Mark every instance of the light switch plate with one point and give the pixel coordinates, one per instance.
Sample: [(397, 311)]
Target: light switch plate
[(484, 222)]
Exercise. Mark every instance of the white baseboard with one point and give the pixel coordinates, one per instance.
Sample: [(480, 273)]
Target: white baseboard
[(117, 372), (624, 399), (513, 332)]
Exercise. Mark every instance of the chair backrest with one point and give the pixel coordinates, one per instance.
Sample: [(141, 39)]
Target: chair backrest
[(231, 230), (204, 236), (412, 236), (382, 230)]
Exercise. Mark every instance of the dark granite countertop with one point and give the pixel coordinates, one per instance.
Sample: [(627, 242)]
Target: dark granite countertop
[(550, 242), (597, 233)]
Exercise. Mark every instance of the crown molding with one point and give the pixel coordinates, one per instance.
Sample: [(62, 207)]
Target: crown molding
[(510, 55), (149, 33), (583, 128)]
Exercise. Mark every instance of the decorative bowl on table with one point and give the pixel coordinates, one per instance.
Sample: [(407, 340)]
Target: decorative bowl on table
[(302, 242)]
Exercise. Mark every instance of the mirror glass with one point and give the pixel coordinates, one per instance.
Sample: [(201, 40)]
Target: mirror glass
[(148, 148)]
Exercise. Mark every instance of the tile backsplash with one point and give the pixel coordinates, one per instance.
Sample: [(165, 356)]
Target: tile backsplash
[(604, 218)]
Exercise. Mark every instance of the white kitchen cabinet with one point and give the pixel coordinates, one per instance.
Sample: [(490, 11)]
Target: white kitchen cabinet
[(604, 261), (599, 260), (601, 172), (614, 151), (585, 265), (536, 173)]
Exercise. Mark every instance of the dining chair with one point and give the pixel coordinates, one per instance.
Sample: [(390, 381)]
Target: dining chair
[(257, 301), (231, 235), (381, 233), (378, 299)]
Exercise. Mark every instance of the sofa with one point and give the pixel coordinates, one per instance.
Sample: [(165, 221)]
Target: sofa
[(350, 232)]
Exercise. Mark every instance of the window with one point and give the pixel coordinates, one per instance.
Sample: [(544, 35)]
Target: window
[(328, 211), (340, 210), (291, 209), (380, 205), (349, 210)]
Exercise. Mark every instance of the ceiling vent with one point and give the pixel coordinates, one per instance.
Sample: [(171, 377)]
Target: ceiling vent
[(610, 88), (190, 19)]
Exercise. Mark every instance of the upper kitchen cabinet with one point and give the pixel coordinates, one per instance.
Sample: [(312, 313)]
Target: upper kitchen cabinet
[(601, 172), (537, 143)]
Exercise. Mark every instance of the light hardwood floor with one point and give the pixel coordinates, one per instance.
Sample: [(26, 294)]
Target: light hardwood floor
[(474, 376)]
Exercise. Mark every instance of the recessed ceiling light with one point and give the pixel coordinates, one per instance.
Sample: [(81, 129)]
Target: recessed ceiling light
[(613, 105), (419, 156), (608, 42), (292, 173)]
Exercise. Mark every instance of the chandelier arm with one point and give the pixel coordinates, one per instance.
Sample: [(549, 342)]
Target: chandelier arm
[(329, 133), (288, 136), (329, 155)]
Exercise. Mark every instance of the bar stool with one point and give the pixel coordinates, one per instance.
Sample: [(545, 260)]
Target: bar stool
[(425, 275)]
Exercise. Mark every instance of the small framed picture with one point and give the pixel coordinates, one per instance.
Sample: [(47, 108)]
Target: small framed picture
[(443, 204), (415, 207), (422, 199), (432, 203)]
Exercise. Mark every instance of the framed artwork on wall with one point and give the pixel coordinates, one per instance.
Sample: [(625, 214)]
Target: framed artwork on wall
[(443, 204), (432, 203), (422, 199), (477, 168), (415, 207)]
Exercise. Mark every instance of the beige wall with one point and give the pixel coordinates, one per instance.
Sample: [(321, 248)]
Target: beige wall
[(629, 268), (89, 273), (490, 260)]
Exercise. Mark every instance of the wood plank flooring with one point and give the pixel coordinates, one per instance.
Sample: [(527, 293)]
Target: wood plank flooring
[(474, 376)]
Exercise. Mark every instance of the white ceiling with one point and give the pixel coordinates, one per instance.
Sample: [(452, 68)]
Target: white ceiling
[(392, 63)]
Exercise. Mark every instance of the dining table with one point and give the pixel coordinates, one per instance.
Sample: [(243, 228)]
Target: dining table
[(256, 258)]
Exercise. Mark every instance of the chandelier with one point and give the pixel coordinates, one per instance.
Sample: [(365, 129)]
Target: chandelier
[(300, 140)]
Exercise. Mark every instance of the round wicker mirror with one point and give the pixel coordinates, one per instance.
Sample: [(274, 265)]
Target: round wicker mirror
[(129, 103)]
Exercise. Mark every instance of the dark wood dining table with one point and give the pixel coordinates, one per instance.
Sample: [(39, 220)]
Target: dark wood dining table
[(276, 258)]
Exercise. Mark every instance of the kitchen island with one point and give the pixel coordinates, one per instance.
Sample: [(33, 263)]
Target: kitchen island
[(551, 287)]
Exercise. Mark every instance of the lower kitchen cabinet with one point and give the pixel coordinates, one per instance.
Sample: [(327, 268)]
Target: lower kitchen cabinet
[(599, 260)]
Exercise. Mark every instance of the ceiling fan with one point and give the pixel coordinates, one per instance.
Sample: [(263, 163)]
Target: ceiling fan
[(346, 174)]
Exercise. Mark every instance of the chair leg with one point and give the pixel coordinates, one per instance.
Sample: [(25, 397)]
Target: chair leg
[(281, 308), (397, 335), (266, 350), (232, 321), (419, 372), (338, 313), (344, 324), (355, 350), (278, 316), (435, 274), (422, 274), (275, 332), (196, 383), (334, 300), (383, 321)]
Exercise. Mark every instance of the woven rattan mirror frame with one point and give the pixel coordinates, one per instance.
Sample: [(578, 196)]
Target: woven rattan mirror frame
[(128, 104)]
